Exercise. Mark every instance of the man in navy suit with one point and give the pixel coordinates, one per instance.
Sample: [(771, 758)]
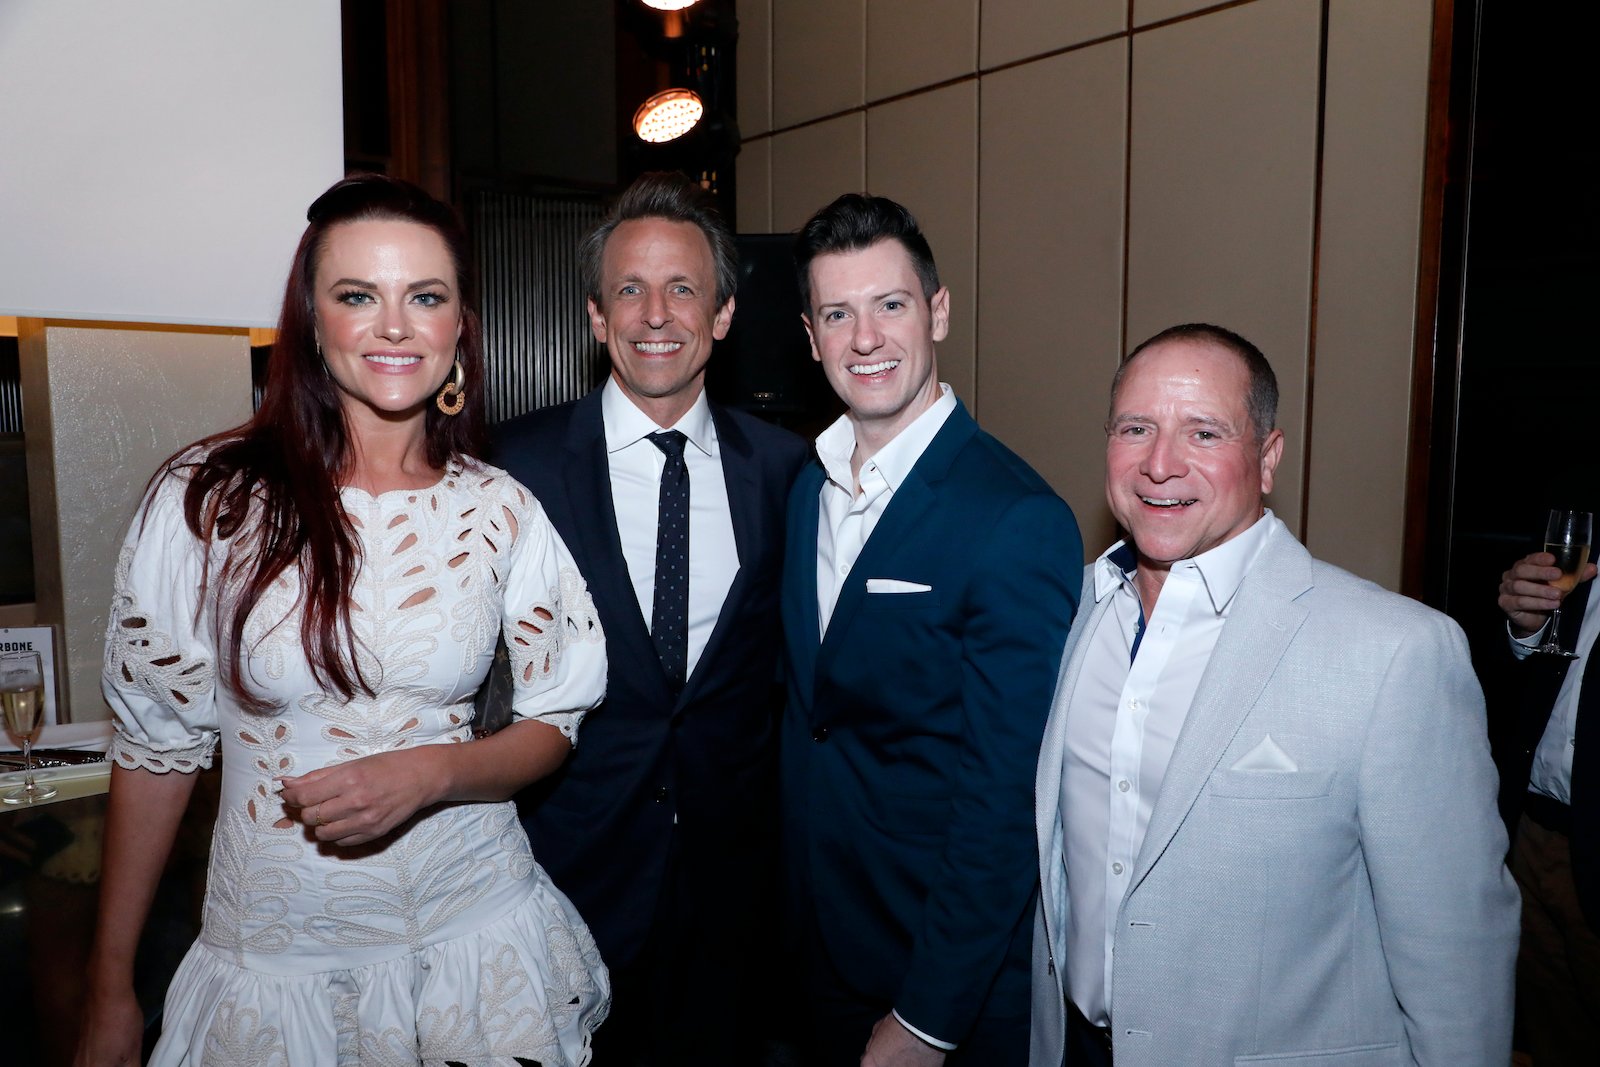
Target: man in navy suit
[(929, 581), (660, 826)]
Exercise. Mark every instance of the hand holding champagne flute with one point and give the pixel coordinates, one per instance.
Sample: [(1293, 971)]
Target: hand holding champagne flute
[(1568, 537), (22, 700)]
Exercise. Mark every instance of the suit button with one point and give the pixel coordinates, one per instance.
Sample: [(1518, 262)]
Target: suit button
[(661, 795), (819, 734)]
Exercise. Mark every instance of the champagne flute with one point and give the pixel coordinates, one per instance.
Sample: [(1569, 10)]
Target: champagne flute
[(22, 700), (1567, 537)]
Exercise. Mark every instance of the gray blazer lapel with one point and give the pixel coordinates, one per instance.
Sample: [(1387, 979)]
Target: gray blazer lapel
[(1053, 748), (1264, 618)]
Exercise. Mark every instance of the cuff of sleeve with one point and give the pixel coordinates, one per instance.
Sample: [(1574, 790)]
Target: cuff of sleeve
[(1523, 647), (133, 755), (935, 1042)]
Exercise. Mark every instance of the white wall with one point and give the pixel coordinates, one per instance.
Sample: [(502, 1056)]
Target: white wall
[(157, 156)]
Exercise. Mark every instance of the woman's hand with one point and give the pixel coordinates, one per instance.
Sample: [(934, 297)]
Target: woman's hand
[(360, 801), (113, 1031)]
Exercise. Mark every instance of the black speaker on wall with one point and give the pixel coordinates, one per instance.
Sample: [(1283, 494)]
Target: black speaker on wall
[(764, 365)]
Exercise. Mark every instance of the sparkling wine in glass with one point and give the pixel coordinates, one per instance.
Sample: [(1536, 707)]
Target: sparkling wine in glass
[(1567, 537), (22, 701)]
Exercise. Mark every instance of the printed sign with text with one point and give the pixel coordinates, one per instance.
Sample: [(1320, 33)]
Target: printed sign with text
[(40, 639)]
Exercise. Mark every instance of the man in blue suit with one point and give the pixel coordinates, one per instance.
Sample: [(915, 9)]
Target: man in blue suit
[(929, 580), (660, 825)]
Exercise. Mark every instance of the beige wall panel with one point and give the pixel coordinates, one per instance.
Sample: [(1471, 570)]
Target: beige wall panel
[(1017, 29), (1050, 251), (818, 58), (1222, 191), (755, 187), (814, 164), (1374, 142), (1147, 11), (755, 66), (104, 405), (915, 43), (923, 152)]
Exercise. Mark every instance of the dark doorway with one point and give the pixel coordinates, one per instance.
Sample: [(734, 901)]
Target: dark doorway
[(1520, 439)]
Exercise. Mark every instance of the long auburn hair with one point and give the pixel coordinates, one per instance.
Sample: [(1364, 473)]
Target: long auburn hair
[(270, 488)]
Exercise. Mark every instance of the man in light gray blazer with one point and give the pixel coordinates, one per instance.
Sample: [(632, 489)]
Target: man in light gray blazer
[(1265, 805)]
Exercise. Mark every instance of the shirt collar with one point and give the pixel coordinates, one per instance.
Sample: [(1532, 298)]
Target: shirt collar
[(894, 460), (626, 424), (1221, 569)]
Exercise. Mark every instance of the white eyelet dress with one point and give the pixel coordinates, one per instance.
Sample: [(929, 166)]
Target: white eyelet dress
[(444, 941)]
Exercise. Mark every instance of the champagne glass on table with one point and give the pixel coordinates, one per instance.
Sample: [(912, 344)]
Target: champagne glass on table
[(22, 700), (1567, 537)]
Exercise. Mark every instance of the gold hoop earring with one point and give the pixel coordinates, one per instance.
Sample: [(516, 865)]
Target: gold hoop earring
[(452, 398)]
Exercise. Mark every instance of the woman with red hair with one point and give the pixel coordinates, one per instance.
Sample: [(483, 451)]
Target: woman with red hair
[(320, 591)]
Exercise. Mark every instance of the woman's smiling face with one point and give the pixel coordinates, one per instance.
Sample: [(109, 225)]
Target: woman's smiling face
[(388, 315)]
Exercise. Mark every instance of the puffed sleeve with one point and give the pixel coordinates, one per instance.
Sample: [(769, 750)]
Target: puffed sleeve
[(552, 631), (160, 666)]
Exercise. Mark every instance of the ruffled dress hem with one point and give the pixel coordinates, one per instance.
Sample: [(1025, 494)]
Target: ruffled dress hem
[(528, 987)]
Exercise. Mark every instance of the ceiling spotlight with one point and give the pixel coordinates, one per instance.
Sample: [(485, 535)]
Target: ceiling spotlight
[(668, 114), (669, 5)]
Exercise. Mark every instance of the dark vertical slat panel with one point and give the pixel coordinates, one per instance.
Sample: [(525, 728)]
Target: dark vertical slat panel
[(536, 336), (10, 406), (10, 388)]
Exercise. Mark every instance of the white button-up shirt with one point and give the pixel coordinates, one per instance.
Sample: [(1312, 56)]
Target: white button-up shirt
[(849, 511), (1552, 760), (636, 494), (1123, 721)]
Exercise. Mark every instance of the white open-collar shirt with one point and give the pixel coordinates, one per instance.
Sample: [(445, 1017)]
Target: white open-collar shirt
[(1123, 721), (850, 512), (1551, 773)]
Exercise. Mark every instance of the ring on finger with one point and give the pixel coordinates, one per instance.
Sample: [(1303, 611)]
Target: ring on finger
[(317, 819)]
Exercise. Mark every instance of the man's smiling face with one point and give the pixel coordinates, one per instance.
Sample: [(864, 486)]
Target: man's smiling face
[(873, 330), (658, 313), (1185, 470)]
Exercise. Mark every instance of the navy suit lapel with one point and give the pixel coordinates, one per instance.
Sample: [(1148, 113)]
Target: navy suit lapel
[(1584, 786), (741, 478), (587, 474), (906, 511), (801, 623)]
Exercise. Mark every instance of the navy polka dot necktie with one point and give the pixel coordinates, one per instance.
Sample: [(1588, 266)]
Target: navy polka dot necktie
[(669, 618)]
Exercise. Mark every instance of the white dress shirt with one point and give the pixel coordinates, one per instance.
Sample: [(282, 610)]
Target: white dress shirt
[(1122, 723), (635, 495), (850, 511), (1552, 760)]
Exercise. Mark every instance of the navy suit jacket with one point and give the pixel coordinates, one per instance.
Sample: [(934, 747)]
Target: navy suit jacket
[(1537, 681), (912, 730), (657, 776)]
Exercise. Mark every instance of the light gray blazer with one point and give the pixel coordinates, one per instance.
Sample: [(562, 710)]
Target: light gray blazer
[(1355, 911)]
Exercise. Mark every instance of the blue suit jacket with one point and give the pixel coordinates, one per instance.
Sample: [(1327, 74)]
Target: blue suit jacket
[(655, 772), (912, 730)]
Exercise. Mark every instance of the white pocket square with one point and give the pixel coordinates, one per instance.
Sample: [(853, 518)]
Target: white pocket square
[(895, 585), (1266, 756)]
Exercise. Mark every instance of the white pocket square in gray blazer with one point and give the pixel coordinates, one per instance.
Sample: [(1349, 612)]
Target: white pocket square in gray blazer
[(1266, 756), (895, 585)]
